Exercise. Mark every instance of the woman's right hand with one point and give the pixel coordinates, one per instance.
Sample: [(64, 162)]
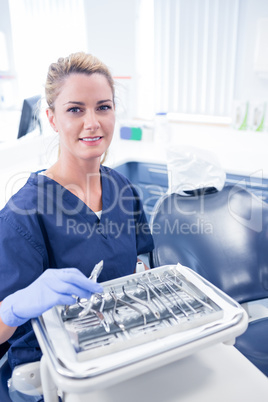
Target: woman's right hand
[(54, 286)]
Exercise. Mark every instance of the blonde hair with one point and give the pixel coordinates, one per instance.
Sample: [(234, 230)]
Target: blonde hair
[(75, 63)]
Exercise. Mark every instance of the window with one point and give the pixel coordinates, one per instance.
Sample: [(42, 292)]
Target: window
[(194, 56)]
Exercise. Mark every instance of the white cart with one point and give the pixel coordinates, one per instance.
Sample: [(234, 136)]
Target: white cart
[(140, 323)]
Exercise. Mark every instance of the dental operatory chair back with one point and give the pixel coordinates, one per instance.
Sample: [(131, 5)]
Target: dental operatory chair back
[(221, 232)]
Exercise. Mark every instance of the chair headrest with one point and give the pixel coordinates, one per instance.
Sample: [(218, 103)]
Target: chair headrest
[(192, 170)]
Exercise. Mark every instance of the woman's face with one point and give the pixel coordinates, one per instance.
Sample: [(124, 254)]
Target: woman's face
[(84, 116)]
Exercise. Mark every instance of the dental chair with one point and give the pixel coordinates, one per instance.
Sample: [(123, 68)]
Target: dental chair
[(222, 234), (5, 373)]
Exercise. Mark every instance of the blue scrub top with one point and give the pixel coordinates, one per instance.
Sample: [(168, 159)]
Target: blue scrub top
[(45, 225)]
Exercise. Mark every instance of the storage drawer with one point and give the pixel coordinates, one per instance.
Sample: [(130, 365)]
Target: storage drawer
[(152, 174), (139, 172), (130, 170)]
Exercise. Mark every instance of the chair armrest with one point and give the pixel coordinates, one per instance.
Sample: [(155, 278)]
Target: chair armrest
[(256, 309)]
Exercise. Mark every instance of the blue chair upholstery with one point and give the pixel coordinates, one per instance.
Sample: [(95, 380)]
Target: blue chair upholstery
[(5, 374), (224, 237), (4, 348)]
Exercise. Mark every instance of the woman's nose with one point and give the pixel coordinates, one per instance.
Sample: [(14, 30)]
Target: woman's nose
[(91, 122)]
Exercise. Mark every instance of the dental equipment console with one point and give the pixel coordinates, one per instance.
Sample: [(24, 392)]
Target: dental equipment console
[(139, 323)]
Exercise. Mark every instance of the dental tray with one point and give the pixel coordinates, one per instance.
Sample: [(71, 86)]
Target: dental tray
[(141, 322)]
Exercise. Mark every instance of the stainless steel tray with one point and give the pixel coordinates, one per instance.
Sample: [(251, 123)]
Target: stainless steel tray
[(162, 315)]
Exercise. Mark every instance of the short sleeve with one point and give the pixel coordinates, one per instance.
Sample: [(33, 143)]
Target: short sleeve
[(20, 260)]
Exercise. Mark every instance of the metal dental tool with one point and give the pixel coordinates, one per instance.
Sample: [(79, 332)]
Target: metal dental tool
[(88, 307), (99, 313), (119, 300), (94, 319), (93, 277), (177, 293), (117, 321), (155, 288), (173, 292), (147, 304), (188, 293), (96, 271)]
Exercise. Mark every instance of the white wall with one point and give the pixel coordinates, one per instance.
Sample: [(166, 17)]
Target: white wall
[(111, 35), (8, 85), (6, 28), (248, 86)]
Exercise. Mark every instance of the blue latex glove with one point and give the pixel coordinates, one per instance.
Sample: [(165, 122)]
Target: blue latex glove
[(54, 286)]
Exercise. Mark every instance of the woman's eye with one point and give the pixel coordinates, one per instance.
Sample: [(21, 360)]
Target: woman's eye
[(105, 107), (74, 109)]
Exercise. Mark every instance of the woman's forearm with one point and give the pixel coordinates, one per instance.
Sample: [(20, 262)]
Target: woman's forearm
[(5, 331)]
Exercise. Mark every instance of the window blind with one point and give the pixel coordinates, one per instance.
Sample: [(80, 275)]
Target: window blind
[(195, 56)]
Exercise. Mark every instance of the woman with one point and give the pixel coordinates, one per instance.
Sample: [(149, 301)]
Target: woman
[(74, 214)]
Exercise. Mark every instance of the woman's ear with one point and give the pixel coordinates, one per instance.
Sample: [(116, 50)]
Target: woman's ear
[(51, 119)]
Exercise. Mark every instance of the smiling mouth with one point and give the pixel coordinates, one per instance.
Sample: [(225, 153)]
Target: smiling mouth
[(90, 139)]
